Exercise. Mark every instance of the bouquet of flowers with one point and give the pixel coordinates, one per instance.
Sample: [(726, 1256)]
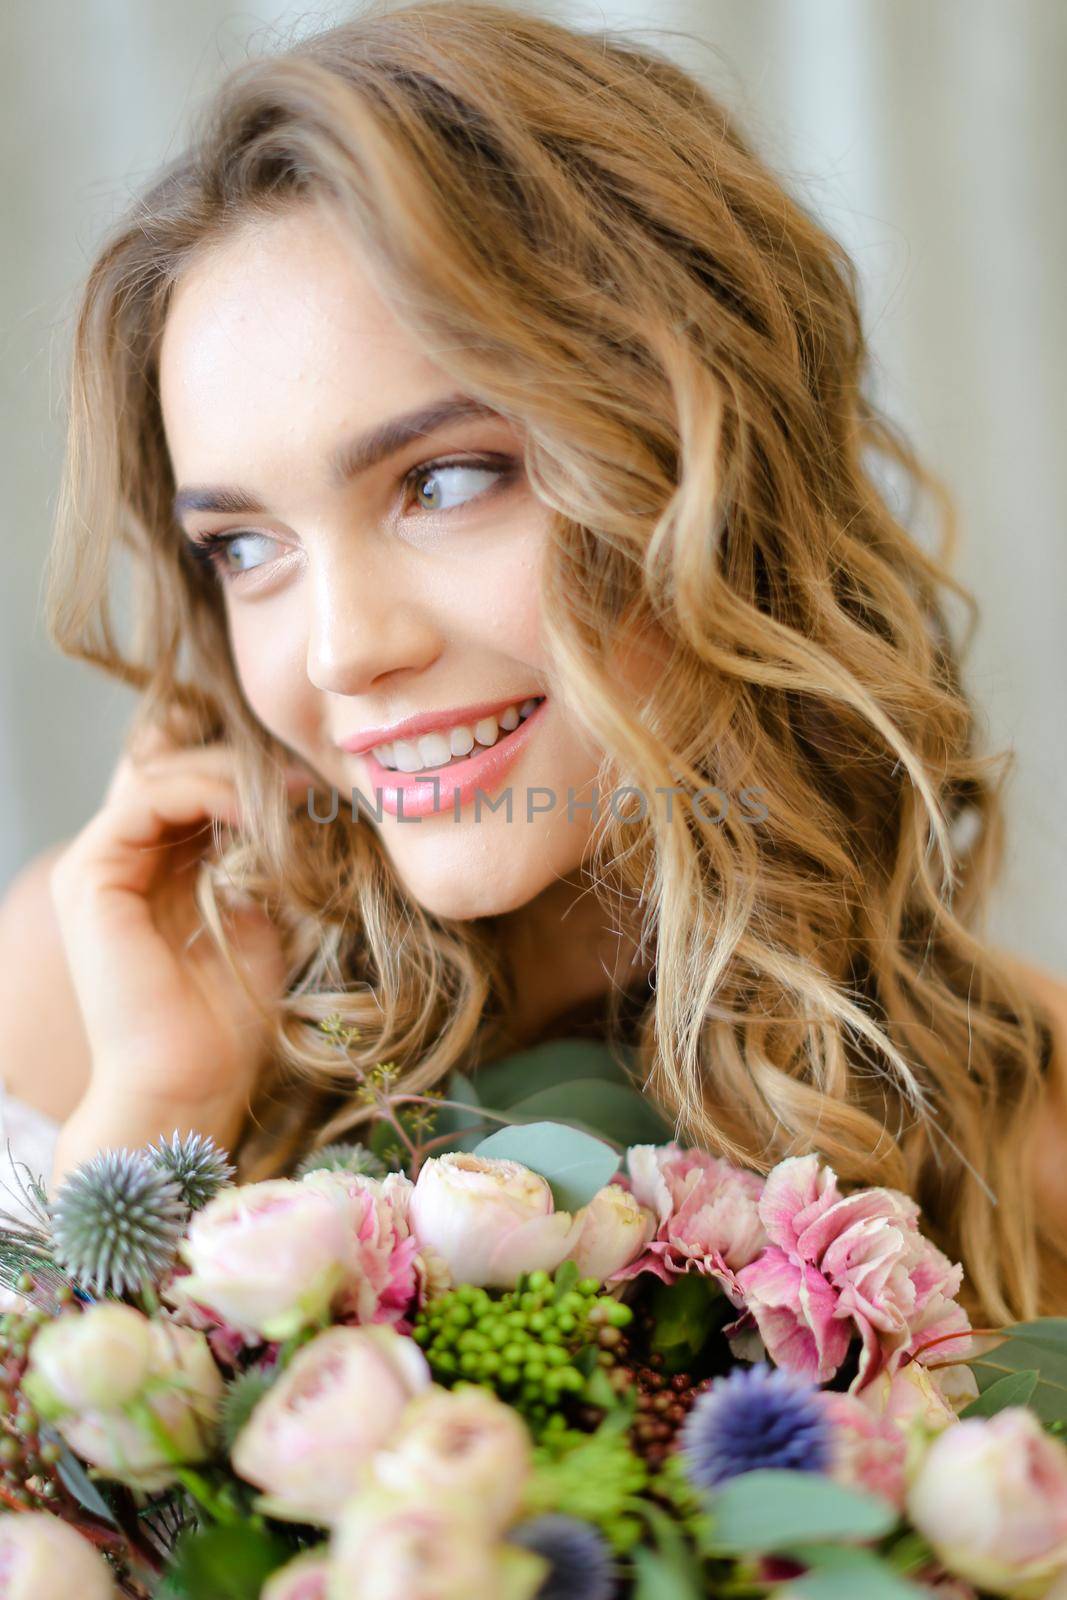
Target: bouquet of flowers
[(498, 1353)]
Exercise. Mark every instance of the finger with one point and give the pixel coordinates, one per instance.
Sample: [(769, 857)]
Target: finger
[(142, 817)]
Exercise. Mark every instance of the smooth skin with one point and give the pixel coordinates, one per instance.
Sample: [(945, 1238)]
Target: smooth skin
[(411, 587)]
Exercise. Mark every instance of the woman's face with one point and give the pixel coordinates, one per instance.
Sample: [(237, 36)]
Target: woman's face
[(373, 574)]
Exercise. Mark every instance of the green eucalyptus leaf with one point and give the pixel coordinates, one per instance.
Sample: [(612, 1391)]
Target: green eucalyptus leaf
[(771, 1510), (839, 1573), (1039, 1346), (1015, 1389), (557, 1061), (575, 1164), (613, 1110)]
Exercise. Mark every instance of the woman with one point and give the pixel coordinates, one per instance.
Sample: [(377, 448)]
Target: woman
[(473, 410)]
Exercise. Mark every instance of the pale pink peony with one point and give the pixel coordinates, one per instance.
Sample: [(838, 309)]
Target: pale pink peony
[(381, 1280), (42, 1558), (178, 1382), (92, 1359), (615, 1229), (303, 1578), (267, 1258), (706, 1210), (991, 1497), (465, 1441), (339, 1400), (389, 1546), (840, 1265), (489, 1220), (867, 1451)]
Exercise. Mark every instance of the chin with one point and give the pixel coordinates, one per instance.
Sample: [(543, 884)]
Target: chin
[(476, 881)]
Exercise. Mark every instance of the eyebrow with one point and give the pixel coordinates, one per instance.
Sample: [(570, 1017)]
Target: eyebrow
[(350, 459)]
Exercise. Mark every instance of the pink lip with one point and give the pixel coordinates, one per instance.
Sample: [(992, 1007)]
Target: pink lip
[(429, 722), (412, 794)]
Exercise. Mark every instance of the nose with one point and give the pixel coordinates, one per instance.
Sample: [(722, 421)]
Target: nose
[(367, 620)]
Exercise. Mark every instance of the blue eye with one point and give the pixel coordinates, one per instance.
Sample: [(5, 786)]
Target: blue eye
[(213, 550)]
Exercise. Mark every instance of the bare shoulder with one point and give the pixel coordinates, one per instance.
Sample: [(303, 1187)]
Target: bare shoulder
[(44, 1054), (1050, 1146)]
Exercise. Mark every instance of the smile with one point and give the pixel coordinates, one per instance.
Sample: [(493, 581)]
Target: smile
[(435, 751)]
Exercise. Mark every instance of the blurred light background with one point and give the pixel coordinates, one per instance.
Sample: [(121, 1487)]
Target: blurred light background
[(928, 135)]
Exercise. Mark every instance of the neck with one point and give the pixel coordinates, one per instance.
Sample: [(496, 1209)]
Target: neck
[(563, 956)]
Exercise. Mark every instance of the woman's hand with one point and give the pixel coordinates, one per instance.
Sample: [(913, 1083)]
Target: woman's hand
[(174, 1040)]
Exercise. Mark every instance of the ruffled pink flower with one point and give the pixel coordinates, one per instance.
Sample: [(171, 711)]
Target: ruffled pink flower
[(841, 1265), (867, 1452), (381, 1279), (707, 1214)]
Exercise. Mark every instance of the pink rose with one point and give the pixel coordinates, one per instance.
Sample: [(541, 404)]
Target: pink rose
[(339, 1400), (267, 1258), (706, 1210), (614, 1230), (42, 1558), (837, 1266), (489, 1220), (991, 1497), (381, 1278)]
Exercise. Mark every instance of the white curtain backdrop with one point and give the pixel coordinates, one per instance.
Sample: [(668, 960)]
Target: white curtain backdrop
[(928, 134)]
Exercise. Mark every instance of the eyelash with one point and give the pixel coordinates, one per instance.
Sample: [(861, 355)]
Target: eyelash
[(209, 549)]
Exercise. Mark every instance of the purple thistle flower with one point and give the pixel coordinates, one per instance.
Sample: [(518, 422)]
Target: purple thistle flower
[(756, 1417), (580, 1564)]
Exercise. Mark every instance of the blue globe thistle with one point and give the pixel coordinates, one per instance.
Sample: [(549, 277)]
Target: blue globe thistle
[(580, 1563), (342, 1157), (196, 1164), (757, 1417), (116, 1222)]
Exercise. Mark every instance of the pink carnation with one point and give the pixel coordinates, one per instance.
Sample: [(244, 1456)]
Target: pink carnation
[(867, 1452), (381, 1280), (840, 1265), (707, 1214)]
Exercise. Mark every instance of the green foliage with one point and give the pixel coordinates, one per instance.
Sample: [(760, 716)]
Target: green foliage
[(774, 1510), (685, 1315), (1039, 1346), (1015, 1389), (574, 1163), (596, 1477), (839, 1572), (240, 1398), (230, 1562)]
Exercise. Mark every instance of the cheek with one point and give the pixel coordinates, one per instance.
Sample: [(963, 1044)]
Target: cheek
[(270, 655)]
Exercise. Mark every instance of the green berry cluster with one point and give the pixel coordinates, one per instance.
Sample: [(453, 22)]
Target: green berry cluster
[(522, 1344)]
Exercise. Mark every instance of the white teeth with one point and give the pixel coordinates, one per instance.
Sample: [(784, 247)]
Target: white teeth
[(433, 750), (406, 755), (441, 748)]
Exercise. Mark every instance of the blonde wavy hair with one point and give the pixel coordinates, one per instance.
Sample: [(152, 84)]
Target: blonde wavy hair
[(581, 231)]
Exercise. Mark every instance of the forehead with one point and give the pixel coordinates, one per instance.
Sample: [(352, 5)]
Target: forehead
[(276, 338)]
